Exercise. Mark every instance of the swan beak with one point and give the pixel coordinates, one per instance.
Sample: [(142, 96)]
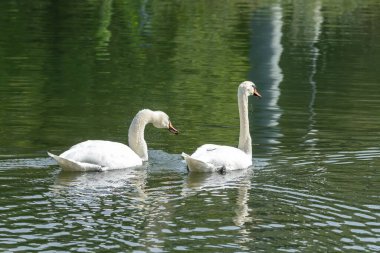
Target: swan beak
[(256, 93), (172, 129)]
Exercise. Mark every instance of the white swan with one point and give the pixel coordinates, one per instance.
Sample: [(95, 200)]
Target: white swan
[(97, 155), (210, 157)]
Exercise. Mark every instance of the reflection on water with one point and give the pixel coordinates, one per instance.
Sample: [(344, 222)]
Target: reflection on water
[(159, 204), (133, 178), (81, 70), (104, 34), (239, 180), (347, 224), (265, 55), (317, 20)]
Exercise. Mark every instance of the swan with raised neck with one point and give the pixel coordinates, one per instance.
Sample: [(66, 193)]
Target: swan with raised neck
[(99, 155), (211, 157), (245, 141)]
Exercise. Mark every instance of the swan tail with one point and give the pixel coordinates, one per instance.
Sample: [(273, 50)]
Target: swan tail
[(69, 165), (195, 165)]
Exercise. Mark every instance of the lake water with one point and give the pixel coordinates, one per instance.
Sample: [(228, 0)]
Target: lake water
[(77, 70)]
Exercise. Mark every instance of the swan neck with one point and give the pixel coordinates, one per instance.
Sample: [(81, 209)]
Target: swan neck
[(136, 133), (245, 142)]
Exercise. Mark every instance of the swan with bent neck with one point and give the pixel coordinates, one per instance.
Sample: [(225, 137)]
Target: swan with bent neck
[(98, 155), (211, 157)]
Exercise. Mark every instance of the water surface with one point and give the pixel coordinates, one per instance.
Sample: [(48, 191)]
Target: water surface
[(81, 70)]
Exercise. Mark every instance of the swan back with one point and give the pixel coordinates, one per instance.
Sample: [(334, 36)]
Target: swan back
[(211, 157), (106, 154)]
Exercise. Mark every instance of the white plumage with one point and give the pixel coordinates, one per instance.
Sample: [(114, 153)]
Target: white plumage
[(210, 157), (98, 155)]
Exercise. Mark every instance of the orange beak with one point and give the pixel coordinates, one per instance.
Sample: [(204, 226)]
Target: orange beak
[(256, 93), (172, 129)]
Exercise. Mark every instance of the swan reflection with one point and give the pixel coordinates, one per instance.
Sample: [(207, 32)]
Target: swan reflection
[(104, 182), (265, 54), (238, 179)]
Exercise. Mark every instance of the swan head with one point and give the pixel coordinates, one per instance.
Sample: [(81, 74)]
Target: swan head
[(161, 120), (248, 88)]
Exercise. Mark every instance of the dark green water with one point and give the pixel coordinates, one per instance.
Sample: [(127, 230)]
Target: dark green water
[(77, 70)]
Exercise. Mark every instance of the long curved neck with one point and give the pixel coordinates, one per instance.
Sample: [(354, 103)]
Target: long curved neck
[(245, 142), (136, 133)]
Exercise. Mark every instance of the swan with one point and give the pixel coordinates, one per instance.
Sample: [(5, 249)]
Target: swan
[(211, 158), (99, 155)]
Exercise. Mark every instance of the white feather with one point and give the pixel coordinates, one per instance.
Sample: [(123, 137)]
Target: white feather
[(98, 155), (211, 158)]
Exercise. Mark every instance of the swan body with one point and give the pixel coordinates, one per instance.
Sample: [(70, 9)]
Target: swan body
[(211, 157), (99, 155)]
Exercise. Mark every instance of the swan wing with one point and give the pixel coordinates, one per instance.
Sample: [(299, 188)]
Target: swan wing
[(106, 154), (69, 165), (198, 165), (218, 157)]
